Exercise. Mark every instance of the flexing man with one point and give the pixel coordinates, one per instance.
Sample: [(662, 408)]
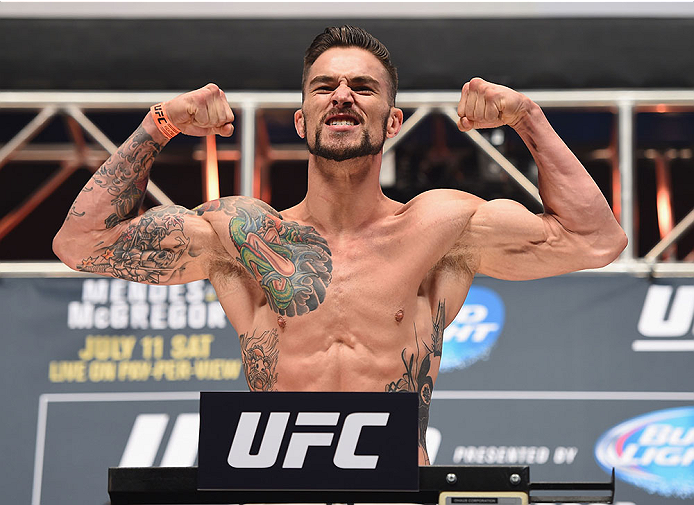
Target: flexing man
[(348, 290)]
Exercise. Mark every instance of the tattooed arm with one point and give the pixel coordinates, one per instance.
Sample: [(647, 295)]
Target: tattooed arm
[(103, 232)]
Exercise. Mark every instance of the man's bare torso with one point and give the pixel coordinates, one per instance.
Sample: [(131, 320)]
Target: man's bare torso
[(340, 312), (362, 310)]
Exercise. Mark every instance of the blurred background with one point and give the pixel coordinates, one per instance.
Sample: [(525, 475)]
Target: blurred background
[(587, 58), (540, 373)]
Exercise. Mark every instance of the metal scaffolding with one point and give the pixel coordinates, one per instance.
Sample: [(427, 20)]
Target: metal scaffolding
[(73, 105)]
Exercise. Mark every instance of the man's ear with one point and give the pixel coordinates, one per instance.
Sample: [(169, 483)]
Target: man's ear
[(394, 122), (299, 123)]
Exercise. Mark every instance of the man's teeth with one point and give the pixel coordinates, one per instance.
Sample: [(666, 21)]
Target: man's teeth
[(342, 122)]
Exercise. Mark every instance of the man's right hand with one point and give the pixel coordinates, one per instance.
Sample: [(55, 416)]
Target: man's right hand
[(202, 112)]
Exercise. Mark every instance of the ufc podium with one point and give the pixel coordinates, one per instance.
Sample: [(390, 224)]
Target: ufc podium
[(349, 448)]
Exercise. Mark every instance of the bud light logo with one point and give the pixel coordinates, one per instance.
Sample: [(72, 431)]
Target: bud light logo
[(474, 330), (654, 451)]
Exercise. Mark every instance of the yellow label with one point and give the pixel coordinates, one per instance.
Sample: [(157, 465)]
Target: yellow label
[(483, 497)]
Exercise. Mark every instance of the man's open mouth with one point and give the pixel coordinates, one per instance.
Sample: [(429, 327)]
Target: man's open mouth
[(342, 120)]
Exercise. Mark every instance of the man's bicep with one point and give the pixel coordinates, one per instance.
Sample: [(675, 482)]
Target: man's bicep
[(165, 245), (515, 244)]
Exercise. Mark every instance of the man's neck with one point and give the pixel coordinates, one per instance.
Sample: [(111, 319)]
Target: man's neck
[(344, 196)]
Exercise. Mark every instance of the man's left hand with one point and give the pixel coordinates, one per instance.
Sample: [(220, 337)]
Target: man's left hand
[(487, 105)]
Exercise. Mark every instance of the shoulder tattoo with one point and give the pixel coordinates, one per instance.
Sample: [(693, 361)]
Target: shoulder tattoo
[(291, 262)]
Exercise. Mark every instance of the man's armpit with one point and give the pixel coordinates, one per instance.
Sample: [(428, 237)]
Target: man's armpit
[(462, 259)]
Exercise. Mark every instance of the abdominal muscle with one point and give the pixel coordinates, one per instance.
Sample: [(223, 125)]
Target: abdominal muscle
[(318, 353), (338, 365), (326, 351), (372, 333)]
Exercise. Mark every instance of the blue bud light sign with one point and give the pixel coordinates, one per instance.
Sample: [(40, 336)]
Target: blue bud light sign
[(474, 330), (654, 451)]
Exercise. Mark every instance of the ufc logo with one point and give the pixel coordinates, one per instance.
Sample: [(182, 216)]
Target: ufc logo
[(667, 312), (660, 303), (240, 454), (159, 111)]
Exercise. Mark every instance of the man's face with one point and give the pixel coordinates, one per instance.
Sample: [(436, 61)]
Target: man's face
[(346, 112)]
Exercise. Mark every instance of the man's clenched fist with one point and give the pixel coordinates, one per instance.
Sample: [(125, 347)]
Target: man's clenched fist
[(202, 112), (486, 105)]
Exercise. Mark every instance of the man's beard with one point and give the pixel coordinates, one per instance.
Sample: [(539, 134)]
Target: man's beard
[(337, 153)]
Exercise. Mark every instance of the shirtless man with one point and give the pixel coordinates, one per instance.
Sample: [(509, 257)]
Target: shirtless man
[(348, 290)]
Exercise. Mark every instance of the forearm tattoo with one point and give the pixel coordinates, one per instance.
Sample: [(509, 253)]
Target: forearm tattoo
[(291, 262), (417, 376), (260, 355), (149, 250), (125, 174), (73, 212)]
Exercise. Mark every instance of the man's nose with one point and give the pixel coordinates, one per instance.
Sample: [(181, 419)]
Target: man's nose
[(342, 96)]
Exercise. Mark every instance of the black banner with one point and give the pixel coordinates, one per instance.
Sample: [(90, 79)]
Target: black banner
[(308, 441)]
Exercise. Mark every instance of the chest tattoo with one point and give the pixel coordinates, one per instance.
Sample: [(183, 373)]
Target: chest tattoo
[(291, 262)]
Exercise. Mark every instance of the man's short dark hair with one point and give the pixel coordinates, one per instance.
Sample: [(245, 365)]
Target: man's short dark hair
[(350, 36)]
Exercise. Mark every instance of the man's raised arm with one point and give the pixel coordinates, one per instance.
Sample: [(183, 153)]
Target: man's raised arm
[(104, 233), (577, 230)]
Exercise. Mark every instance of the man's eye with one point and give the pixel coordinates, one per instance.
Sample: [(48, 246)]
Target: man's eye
[(363, 89)]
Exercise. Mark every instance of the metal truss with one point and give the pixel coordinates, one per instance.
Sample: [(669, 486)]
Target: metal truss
[(255, 150)]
